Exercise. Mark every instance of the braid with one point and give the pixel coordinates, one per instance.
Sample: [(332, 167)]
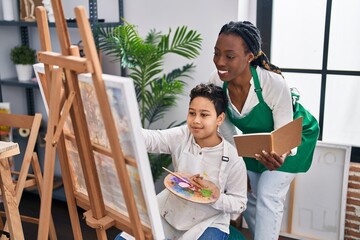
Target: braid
[(262, 61), (251, 36)]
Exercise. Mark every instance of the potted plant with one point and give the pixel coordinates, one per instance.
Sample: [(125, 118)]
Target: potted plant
[(23, 57), (156, 91)]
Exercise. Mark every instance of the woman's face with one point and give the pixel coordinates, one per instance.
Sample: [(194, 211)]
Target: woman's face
[(230, 57), (202, 120)]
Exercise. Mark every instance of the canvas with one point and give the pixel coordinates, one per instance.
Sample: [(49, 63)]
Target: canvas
[(321, 214), (124, 106), (319, 196)]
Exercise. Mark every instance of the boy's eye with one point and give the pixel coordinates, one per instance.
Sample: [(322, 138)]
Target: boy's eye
[(230, 56), (204, 114), (192, 113)]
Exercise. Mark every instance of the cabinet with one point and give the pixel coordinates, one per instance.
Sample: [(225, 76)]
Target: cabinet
[(24, 28)]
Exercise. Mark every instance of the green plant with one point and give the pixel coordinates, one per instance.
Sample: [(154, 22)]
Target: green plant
[(23, 55), (156, 91)]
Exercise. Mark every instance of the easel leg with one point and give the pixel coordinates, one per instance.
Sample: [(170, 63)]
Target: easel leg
[(69, 191), (38, 177), (50, 156), (291, 205), (10, 203), (1, 224), (101, 234)]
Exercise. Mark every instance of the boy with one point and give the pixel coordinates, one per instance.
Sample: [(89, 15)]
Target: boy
[(199, 149)]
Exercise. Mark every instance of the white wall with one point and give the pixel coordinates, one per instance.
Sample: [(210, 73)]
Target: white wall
[(204, 16)]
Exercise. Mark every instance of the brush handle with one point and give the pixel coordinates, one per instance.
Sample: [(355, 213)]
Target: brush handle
[(178, 176)]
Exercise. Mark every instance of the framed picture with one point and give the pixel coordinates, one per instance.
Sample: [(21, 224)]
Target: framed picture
[(320, 194), (124, 106)]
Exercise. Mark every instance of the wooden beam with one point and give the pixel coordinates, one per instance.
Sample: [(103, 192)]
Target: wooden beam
[(73, 63)]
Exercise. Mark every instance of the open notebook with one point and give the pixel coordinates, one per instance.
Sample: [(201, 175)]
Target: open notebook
[(280, 140)]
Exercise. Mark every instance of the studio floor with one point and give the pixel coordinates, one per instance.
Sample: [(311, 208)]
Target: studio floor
[(30, 206)]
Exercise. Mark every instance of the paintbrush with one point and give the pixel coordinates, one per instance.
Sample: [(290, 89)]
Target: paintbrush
[(178, 176), (183, 179)]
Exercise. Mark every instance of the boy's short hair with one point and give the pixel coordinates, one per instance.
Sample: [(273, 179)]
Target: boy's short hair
[(212, 92)]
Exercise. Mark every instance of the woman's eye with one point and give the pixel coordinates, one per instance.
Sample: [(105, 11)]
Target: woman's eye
[(230, 57), (204, 115), (192, 113)]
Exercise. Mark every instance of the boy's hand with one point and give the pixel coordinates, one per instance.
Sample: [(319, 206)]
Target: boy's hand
[(197, 180)]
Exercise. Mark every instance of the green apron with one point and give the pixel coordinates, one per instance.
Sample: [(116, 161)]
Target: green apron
[(260, 119)]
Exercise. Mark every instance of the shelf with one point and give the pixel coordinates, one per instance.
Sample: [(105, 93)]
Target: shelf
[(70, 24), (16, 83)]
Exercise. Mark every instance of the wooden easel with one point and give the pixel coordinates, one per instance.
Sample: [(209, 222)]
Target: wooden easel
[(64, 100), (24, 179)]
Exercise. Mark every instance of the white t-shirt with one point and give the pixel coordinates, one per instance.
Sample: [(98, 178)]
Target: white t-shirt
[(276, 95), (229, 176)]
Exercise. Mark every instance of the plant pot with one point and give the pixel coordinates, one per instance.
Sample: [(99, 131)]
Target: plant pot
[(24, 72)]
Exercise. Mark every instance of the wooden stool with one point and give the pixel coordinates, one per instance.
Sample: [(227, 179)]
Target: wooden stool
[(18, 181)]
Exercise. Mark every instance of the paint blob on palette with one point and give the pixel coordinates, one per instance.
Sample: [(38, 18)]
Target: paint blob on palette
[(207, 194)]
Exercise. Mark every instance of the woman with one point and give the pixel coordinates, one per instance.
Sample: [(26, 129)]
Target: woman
[(198, 149), (259, 101)]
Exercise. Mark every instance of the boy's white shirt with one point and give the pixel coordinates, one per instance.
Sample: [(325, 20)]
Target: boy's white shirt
[(232, 177)]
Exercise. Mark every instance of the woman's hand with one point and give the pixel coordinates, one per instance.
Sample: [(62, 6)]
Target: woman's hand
[(271, 161)]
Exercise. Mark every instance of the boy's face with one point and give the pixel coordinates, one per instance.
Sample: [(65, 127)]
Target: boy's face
[(203, 122)]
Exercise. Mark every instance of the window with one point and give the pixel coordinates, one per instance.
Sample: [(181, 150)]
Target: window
[(315, 43), (298, 33)]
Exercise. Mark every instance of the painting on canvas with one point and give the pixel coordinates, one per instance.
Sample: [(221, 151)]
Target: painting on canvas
[(123, 103)]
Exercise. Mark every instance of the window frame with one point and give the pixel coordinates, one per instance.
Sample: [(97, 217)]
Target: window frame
[(264, 14)]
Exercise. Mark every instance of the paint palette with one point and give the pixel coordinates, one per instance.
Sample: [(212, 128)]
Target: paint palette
[(184, 190)]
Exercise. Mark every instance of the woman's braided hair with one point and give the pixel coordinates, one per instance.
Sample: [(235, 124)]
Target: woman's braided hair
[(251, 36)]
